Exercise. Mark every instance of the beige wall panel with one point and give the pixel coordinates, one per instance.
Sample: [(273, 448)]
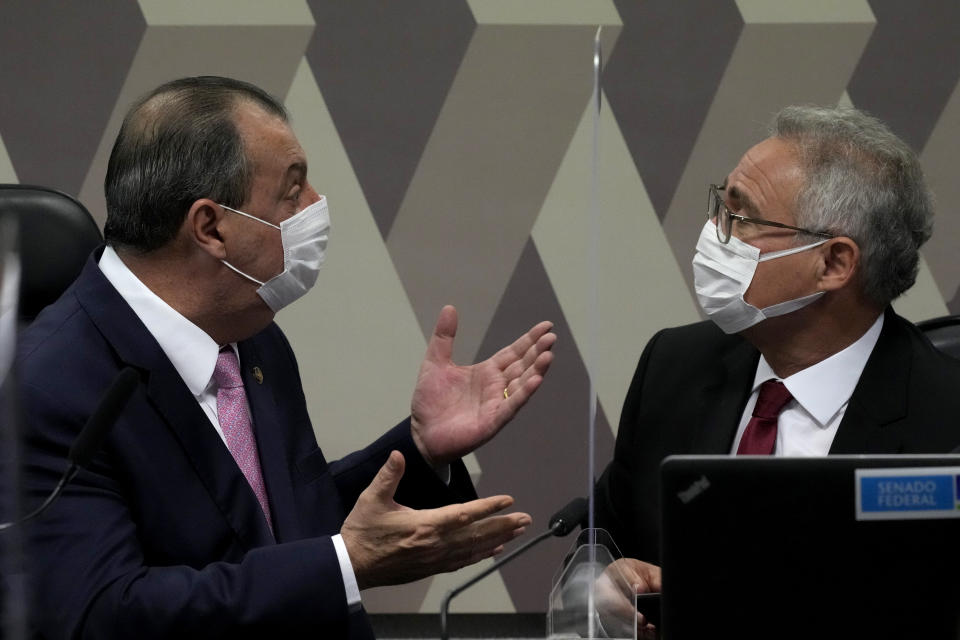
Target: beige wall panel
[(7, 173), (773, 65), (356, 339), (939, 159), (637, 283), (473, 466), (582, 12), (487, 596), (265, 56), (923, 301), (806, 11), (226, 12), (493, 154), (407, 598)]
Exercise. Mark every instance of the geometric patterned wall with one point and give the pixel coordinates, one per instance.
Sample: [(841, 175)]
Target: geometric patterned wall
[(453, 139)]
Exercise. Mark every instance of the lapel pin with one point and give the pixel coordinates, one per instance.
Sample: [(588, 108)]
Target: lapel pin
[(258, 375)]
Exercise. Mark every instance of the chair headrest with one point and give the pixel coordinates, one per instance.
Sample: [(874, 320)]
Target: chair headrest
[(57, 234), (944, 333)]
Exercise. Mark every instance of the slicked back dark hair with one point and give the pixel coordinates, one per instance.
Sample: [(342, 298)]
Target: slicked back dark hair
[(177, 144)]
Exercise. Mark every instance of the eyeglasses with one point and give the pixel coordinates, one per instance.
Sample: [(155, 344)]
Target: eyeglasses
[(717, 209)]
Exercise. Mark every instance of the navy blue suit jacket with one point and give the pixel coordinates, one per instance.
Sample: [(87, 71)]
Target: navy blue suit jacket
[(163, 537)]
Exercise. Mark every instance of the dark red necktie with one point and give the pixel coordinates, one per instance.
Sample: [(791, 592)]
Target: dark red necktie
[(760, 436)]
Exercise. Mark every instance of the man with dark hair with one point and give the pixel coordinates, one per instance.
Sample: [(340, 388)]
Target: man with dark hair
[(177, 144), (806, 243), (210, 511)]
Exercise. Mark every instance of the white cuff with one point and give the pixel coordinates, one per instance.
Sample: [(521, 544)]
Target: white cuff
[(346, 571)]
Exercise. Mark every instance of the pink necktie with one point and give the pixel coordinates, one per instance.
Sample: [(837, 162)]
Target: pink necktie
[(235, 421), (760, 436)]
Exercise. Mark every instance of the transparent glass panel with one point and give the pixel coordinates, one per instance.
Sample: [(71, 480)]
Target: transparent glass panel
[(12, 605), (590, 597)]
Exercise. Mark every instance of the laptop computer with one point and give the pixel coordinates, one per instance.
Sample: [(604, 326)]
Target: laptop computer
[(831, 547)]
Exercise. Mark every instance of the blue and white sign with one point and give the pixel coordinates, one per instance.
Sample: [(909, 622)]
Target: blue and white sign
[(904, 494)]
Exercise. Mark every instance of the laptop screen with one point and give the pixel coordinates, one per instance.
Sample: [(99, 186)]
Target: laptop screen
[(831, 547)]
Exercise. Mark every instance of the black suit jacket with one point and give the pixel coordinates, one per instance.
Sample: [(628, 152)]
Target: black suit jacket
[(163, 537), (689, 392)]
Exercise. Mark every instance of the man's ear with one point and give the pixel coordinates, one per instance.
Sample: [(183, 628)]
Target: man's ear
[(203, 226), (841, 264)]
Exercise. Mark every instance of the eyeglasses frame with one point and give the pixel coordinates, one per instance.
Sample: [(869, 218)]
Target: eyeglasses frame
[(714, 191)]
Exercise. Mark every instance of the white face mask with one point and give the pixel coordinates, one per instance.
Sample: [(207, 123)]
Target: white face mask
[(722, 273), (304, 237)]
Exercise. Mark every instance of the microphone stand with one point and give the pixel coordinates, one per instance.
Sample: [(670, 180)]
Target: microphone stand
[(64, 481), (91, 437), (496, 565)]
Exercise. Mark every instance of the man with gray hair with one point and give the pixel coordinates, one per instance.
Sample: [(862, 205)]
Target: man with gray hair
[(806, 243)]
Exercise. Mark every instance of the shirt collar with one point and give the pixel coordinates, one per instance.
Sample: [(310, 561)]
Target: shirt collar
[(825, 387), (189, 348)]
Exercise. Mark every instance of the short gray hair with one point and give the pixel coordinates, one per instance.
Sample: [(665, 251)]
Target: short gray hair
[(863, 182)]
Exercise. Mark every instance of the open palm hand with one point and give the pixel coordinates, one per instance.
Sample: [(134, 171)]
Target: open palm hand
[(455, 409)]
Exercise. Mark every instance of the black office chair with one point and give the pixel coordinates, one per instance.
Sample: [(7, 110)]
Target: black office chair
[(944, 333), (57, 234)]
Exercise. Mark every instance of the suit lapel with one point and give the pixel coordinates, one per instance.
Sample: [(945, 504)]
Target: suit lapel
[(723, 397), (880, 397), (268, 426), (209, 456), (175, 404)]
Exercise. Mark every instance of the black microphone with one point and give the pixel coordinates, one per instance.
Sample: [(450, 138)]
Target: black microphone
[(562, 523), (569, 518), (91, 437)]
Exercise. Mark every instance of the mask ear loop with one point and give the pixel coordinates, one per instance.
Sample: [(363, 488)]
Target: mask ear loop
[(269, 224), (250, 278), (790, 252)]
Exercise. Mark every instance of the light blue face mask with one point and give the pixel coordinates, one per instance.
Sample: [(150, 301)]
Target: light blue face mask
[(722, 273), (304, 236)]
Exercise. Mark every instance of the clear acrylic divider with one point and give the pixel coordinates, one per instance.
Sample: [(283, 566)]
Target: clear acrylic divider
[(591, 598), (12, 573)]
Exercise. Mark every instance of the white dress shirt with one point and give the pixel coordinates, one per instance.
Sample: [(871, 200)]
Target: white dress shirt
[(821, 392), (193, 354)]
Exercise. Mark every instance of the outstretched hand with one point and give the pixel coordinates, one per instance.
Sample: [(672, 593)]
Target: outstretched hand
[(392, 544), (456, 409)]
